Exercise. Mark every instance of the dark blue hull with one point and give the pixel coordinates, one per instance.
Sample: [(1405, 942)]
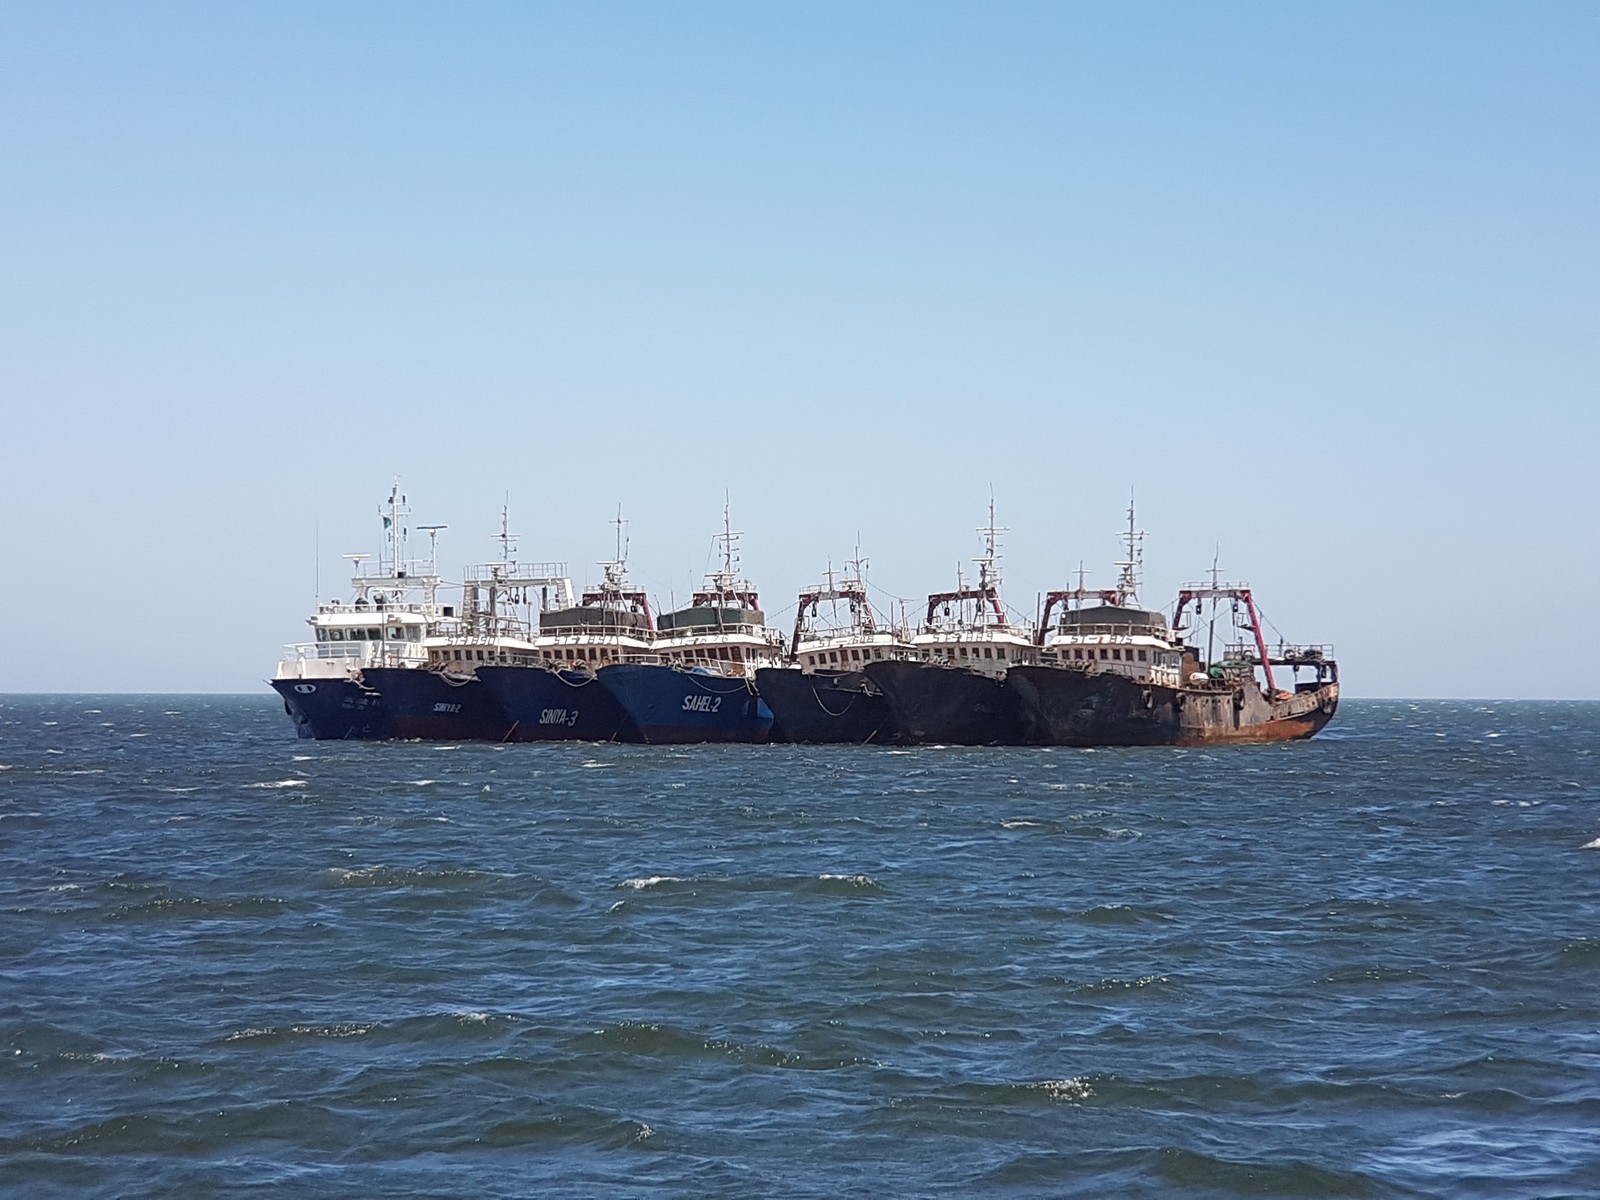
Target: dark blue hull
[(930, 703), (334, 709), (825, 707), (438, 708), (545, 704), (668, 706)]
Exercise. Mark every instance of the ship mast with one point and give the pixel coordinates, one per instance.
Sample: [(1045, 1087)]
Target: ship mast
[(1128, 568), (616, 569), (726, 580), (394, 532), (989, 563)]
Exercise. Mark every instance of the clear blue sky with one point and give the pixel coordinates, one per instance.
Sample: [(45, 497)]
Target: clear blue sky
[(1319, 281)]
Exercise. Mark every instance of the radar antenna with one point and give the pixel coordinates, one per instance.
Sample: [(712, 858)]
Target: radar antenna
[(433, 532)]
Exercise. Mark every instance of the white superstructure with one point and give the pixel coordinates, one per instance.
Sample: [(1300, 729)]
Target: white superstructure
[(847, 634), (392, 611), (500, 607)]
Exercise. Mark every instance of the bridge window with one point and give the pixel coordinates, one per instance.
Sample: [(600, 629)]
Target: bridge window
[(336, 635), (374, 635), (877, 652), (1143, 656), (855, 656), (1103, 652)]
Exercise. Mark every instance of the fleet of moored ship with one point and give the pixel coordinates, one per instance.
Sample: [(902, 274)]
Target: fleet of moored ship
[(522, 658)]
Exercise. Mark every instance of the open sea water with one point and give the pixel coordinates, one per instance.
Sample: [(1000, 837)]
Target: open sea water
[(230, 961)]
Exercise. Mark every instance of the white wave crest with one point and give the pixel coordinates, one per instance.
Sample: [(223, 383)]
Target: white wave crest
[(650, 881), (280, 783), (1064, 1089)]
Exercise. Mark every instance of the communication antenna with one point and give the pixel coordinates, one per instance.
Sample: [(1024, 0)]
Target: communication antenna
[(622, 533), (507, 539)]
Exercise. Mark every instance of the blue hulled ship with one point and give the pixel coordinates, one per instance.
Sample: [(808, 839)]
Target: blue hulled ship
[(700, 686), (824, 696), (561, 698), (387, 621), (500, 605)]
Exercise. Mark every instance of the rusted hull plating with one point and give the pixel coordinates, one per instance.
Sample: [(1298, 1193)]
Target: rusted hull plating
[(1062, 707)]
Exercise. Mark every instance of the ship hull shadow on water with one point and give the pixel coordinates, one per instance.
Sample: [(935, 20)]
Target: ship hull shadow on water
[(672, 706), (823, 708), (1061, 707), (550, 704), (438, 707), (930, 703), (333, 709)]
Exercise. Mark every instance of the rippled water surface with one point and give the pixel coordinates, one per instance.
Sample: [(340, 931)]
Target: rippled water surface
[(1361, 966)]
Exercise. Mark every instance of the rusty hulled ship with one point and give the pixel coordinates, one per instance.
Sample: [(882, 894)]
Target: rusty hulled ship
[(1110, 673)]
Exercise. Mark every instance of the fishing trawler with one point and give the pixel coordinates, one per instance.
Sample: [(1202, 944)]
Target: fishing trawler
[(392, 612), (823, 695), (953, 690), (1115, 674), (500, 606), (561, 698), (700, 684)]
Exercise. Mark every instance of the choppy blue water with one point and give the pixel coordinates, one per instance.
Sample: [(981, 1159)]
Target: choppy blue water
[(1362, 966)]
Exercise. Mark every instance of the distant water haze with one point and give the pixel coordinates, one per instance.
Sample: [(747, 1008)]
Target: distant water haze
[(1318, 284)]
